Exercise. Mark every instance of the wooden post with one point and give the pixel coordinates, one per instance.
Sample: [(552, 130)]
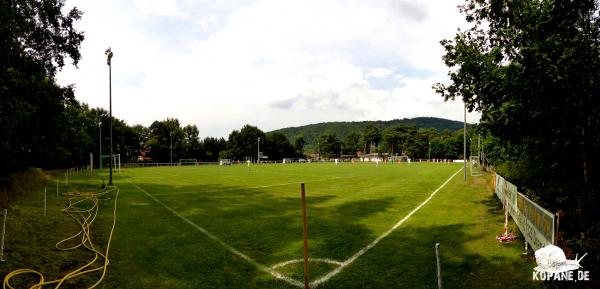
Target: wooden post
[(557, 224), (45, 198), (305, 225), (439, 266)]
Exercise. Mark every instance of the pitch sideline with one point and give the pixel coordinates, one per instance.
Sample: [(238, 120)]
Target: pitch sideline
[(381, 237)]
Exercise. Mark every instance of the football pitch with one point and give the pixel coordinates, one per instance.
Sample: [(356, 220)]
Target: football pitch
[(369, 227), (254, 213)]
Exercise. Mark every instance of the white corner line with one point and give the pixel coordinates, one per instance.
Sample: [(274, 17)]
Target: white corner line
[(372, 244), (231, 249), (276, 274), (315, 260)]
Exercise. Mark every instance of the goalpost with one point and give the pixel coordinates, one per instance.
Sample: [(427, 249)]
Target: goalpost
[(475, 166), (116, 161), (188, 162)]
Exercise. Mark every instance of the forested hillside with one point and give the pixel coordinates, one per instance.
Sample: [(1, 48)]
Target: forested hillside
[(344, 128)]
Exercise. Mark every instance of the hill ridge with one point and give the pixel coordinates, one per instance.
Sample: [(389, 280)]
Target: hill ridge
[(343, 128)]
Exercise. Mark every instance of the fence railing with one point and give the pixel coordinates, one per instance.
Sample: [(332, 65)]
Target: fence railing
[(537, 224)]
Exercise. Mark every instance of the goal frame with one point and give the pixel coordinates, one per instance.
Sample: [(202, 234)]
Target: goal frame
[(475, 166), (116, 161), (184, 162)]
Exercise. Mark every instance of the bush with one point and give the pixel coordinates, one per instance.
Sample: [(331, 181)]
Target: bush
[(21, 183)]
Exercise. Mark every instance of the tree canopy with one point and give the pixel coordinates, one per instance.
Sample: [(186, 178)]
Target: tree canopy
[(532, 68), (36, 38)]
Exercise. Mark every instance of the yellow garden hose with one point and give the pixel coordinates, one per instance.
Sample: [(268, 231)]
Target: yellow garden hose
[(83, 208)]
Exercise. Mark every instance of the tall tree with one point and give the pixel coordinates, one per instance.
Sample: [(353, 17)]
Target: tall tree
[(191, 143), (371, 137), (278, 147), (532, 68), (329, 146), (165, 138), (36, 40), (299, 143), (244, 143), (212, 147), (351, 143)]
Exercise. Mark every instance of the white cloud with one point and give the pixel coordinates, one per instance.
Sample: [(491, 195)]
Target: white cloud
[(160, 7), (269, 63), (207, 23), (379, 72)]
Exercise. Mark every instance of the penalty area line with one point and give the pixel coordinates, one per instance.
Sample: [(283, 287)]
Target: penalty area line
[(376, 241), (231, 249)]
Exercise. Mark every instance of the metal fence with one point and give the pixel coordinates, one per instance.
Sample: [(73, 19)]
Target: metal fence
[(535, 223)]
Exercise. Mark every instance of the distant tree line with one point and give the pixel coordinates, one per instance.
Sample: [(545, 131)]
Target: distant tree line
[(400, 139), (81, 131), (43, 125)]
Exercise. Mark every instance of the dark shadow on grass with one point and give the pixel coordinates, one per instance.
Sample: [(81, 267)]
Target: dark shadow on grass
[(406, 259), (493, 205), (264, 225)]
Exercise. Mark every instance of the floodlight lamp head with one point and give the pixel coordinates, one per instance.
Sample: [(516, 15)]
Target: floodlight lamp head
[(109, 55)]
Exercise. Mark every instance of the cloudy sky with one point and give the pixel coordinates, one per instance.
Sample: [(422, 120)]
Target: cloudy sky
[(273, 63)]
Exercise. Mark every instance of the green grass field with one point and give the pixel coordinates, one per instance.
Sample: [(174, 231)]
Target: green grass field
[(240, 227)]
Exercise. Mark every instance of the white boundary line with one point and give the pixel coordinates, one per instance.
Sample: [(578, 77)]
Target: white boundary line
[(225, 245), (317, 260), (372, 244), (272, 270)]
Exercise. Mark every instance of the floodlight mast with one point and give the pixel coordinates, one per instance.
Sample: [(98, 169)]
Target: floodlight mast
[(429, 151), (258, 151), (171, 144), (99, 143), (109, 56)]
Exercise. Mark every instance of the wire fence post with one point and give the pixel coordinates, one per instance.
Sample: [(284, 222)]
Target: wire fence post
[(439, 266), (45, 200), (4, 213)]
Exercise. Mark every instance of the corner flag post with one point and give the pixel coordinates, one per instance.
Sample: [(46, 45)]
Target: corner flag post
[(305, 226), (465, 142)]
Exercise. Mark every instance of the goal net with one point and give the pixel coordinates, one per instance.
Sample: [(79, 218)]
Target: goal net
[(116, 161), (292, 160), (475, 166), (188, 162)]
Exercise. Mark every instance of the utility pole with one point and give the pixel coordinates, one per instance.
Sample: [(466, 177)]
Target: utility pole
[(429, 151), (100, 142)]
